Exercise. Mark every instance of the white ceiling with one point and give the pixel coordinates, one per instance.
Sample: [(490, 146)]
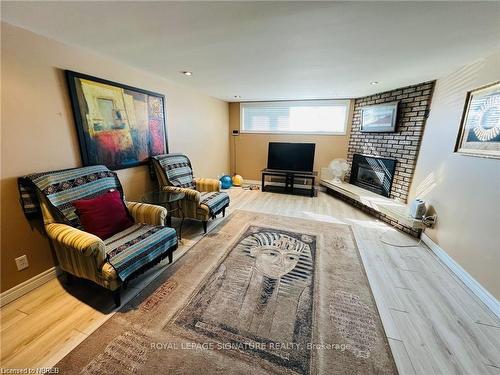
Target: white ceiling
[(275, 50)]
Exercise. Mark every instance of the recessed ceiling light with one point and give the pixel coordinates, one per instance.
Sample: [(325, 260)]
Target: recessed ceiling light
[(374, 83), (187, 73)]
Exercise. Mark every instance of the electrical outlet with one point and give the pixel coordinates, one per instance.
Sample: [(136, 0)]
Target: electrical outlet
[(22, 262)]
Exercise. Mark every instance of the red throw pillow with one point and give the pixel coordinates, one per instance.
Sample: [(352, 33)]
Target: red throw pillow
[(104, 215)]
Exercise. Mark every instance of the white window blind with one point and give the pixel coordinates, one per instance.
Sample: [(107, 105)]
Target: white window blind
[(303, 117)]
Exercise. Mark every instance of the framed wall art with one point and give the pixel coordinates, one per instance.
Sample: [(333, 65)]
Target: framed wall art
[(379, 118), (118, 125), (479, 133)]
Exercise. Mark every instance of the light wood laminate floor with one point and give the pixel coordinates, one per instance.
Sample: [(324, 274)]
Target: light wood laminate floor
[(435, 325)]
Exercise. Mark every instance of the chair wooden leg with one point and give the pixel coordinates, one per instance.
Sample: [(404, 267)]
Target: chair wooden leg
[(205, 226), (224, 212), (116, 297), (170, 257)]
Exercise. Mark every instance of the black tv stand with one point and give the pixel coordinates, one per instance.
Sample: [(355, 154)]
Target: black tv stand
[(290, 177)]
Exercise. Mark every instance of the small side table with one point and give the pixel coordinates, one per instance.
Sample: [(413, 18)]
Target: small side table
[(171, 201)]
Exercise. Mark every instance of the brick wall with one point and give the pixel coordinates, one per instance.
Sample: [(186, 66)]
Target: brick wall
[(404, 144)]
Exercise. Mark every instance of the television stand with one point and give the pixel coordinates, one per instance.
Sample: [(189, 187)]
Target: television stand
[(290, 177)]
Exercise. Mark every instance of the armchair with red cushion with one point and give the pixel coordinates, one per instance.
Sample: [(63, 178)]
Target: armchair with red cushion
[(96, 233)]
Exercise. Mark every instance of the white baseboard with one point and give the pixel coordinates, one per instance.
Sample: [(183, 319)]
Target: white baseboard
[(486, 297), (28, 285)]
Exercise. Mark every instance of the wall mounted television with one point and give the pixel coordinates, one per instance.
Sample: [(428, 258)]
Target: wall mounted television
[(297, 157)]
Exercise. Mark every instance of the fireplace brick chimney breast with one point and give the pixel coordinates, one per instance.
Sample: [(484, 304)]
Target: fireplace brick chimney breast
[(404, 144)]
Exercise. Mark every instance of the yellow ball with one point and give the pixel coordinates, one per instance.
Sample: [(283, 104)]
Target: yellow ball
[(237, 180)]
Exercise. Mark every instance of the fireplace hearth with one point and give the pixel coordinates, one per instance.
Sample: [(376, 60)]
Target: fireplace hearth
[(373, 173)]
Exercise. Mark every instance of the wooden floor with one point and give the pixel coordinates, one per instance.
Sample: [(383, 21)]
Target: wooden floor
[(435, 325)]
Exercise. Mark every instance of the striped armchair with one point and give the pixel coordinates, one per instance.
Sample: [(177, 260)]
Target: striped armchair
[(203, 198), (111, 262)]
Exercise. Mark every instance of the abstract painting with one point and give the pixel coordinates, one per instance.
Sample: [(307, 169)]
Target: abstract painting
[(118, 125), (379, 118), (479, 133)]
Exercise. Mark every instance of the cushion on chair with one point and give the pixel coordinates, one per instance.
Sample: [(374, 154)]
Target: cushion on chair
[(104, 215), (62, 188), (138, 245), (178, 169), (215, 201)]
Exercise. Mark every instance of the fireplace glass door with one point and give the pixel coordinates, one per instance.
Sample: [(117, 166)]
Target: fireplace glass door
[(373, 173)]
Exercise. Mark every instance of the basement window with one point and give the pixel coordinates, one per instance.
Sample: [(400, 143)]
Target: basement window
[(295, 117)]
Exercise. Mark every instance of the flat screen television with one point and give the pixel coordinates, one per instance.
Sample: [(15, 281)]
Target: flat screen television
[(291, 156)]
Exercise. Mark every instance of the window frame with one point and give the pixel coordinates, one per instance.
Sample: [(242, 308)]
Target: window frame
[(346, 102)]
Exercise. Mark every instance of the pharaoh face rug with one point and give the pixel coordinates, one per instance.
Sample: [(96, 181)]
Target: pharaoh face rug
[(262, 294)]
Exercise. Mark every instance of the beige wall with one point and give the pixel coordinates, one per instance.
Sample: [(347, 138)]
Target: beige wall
[(38, 132), (464, 190), (251, 149)]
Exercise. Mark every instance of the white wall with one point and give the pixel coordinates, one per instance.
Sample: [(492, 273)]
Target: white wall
[(464, 190)]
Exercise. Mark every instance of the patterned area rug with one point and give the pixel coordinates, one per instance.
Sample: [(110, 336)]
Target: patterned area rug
[(262, 294)]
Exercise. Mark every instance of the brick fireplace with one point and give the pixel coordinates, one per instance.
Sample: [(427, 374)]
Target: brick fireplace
[(402, 145)]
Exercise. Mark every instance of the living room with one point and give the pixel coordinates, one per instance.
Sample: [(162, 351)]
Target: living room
[(250, 187)]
